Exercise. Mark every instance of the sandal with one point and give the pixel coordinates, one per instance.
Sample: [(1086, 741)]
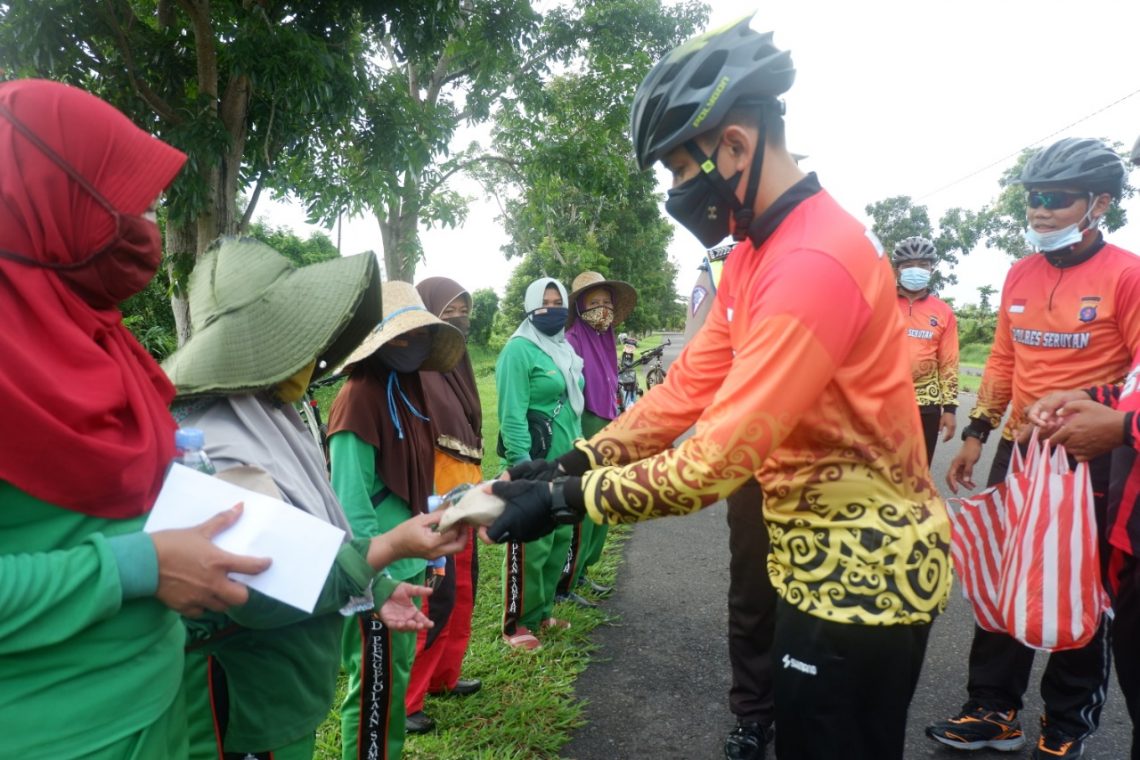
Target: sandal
[(555, 623), (522, 639)]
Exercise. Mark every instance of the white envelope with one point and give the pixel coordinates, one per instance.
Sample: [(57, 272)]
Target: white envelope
[(302, 547)]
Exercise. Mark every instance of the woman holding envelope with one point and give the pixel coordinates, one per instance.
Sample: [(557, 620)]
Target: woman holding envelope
[(90, 651), (380, 443), (260, 678)]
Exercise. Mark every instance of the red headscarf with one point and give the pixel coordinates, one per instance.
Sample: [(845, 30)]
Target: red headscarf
[(85, 425)]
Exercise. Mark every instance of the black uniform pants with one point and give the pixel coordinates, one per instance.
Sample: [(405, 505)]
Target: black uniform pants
[(1075, 682), (842, 690), (751, 607), (930, 416)]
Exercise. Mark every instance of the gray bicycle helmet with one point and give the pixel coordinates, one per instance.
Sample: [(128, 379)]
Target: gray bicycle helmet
[(916, 248), (1080, 163), (1135, 157), (691, 89)]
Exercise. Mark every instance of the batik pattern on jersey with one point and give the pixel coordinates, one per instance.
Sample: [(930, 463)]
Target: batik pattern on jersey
[(932, 340), (799, 377)]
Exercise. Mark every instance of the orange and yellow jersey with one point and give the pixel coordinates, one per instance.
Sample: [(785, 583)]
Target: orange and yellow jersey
[(932, 340), (1059, 328), (800, 378)]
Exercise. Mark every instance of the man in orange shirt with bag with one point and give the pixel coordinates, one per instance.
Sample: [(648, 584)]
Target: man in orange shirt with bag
[(1069, 318)]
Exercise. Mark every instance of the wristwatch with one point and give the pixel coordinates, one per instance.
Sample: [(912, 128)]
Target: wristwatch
[(972, 432), (562, 512)]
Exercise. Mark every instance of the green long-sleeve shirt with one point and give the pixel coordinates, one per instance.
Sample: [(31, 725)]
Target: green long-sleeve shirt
[(356, 482), (87, 655), (527, 378)]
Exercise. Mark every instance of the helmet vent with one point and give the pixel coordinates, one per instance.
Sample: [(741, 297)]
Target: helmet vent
[(672, 72), (709, 69)]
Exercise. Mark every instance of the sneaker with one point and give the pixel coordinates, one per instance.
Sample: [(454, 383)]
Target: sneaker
[(747, 741), (978, 728), (418, 723), (1054, 743)]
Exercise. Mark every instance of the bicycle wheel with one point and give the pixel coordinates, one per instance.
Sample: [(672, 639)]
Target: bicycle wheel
[(654, 377)]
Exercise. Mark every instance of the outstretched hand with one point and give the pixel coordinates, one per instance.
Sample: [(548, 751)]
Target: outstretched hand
[(527, 515), (1088, 429), (400, 613), (193, 573)]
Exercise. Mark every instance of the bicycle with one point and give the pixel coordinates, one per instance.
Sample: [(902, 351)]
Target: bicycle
[(656, 372), (628, 388)]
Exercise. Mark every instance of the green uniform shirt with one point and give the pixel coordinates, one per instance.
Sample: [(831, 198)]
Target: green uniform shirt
[(87, 655), (527, 378), (355, 481), (281, 663)]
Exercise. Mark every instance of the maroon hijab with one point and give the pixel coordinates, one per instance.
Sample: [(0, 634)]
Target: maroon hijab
[(85, 425), (452, 397)]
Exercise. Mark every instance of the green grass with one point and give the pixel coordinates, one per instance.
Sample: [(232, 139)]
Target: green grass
[(527, 706), (974, 354)]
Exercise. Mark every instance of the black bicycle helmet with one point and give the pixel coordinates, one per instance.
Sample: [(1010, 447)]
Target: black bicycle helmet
[(916, 248), (1080, 163), (692, 88)]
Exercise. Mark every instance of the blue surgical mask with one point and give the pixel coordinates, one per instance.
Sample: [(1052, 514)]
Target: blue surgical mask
[(551, 321), (914, 278), (1062, 238)]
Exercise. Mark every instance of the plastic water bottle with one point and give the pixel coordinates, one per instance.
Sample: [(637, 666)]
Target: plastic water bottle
[(190, 444), (438, 564)]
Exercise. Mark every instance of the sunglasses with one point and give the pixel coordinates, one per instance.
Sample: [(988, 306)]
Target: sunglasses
[(1055, 199)]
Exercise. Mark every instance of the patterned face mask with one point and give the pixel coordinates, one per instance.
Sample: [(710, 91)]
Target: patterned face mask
[(600, 317)]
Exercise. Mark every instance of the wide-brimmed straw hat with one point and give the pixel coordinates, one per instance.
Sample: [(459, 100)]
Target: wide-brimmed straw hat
[(625, 297), (404, 311), (256, 319)]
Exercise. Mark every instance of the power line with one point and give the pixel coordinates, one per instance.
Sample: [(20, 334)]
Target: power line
[(1038, 141)]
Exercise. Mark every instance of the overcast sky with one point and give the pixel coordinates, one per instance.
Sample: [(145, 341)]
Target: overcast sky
[(893, 97)]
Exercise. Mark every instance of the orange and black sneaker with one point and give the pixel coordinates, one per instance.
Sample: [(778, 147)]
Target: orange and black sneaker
[(1055, 743), (978, 728)]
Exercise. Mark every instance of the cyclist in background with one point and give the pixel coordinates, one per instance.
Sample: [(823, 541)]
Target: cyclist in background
[(932, 338), (1069, 318)]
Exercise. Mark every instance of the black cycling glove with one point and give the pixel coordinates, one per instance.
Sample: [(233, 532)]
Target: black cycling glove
[(534, 469), (533, 510)]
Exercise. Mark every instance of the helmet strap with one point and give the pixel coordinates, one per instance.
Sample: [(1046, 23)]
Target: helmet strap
[(745, 213), (712, 175)]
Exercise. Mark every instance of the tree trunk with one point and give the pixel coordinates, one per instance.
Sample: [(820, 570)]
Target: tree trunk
[(401, 239), (181, 245)]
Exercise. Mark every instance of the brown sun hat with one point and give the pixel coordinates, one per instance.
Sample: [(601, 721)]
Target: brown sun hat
[(625, 297), (404, 310)]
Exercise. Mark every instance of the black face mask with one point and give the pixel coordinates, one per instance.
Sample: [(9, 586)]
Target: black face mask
[(463, 324), (552, 321), (701, 209)]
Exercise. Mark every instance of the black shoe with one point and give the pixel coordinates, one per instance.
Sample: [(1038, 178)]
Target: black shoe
[(1055, 743), (595, 588), (418, 723), (978, 728), (573, 598), (747, 741), (462, 688)]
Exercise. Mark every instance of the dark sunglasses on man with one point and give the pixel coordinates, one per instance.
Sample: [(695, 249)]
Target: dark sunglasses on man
[(1055, 199)]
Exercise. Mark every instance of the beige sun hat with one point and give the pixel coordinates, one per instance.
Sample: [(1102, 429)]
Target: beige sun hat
[(404, 310), (625, 297), (256, 319)]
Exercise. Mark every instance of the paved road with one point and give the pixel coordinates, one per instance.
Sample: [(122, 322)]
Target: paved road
[(658, 688)]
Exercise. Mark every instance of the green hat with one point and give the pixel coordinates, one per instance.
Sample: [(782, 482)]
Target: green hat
[(257, 320)]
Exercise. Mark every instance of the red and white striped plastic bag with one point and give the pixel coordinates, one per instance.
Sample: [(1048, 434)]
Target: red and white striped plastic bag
[(1051, 595), (979, 525)]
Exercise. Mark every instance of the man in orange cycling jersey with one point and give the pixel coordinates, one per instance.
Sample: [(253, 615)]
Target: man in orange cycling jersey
[(799, 378), (1069, 318), (932, 338)]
